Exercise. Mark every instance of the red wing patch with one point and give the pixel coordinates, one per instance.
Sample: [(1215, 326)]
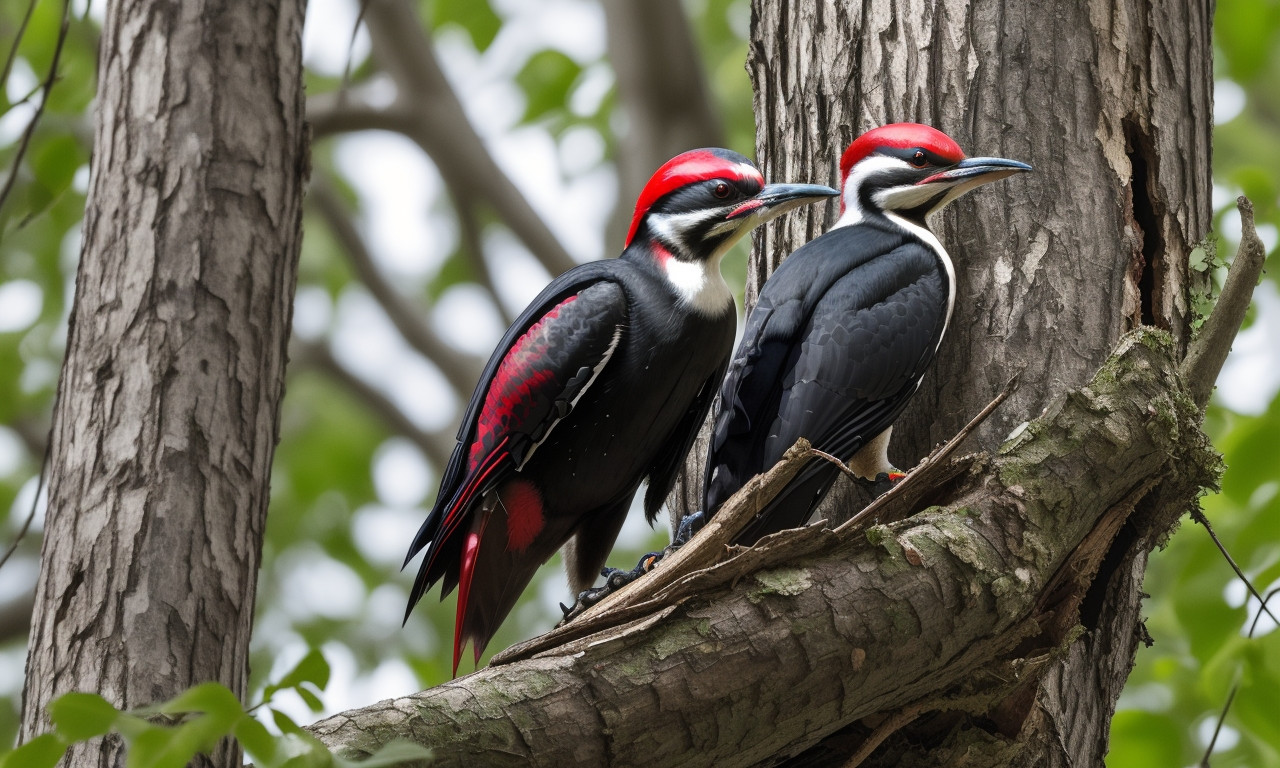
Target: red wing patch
[(517, 388), (523, 505)]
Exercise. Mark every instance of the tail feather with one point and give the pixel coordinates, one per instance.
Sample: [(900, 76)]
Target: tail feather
[(492, 577)]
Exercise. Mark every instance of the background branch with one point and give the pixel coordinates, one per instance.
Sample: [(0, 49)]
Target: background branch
[(436, 446), (1209, 350), (459, 368), (441, 127)]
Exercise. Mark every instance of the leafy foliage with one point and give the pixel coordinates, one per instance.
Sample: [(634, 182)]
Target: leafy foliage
[(170, 734)]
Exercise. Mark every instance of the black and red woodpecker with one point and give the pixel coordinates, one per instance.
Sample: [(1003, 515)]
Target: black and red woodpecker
[(601, 383), (845, 328)]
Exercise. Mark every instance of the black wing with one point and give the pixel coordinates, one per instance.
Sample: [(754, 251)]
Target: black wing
[(838, 343)]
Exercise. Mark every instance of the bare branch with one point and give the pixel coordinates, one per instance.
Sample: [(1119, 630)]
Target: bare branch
[(663, 89), (436, 446), (473, 249), (459, 368), (441, 127), (52, 77), (1209, 351), (333, 113)]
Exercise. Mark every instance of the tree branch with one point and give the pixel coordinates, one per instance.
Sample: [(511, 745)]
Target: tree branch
[(459, 368), (1209, 350), (440, 126), (333, 113), (811, 630), (436, 446), (473, 250), (662, 87)]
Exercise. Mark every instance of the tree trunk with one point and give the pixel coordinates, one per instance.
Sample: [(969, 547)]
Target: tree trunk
[(1111, 103), (169, 401)]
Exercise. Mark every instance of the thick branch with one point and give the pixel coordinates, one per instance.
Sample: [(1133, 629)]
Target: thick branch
[(762, 655), (1208, 353)]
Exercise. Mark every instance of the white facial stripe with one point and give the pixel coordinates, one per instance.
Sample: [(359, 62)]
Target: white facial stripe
[(870, 166), (700, 284), (932, 241), (669, 228)]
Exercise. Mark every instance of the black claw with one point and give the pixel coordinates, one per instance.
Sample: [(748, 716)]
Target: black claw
[(688, 527)]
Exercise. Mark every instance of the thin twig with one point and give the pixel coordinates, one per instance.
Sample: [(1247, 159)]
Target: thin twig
[(473, 250), (1235, 685), (1199, 517), (13, 51), (351, 48), (30, 130), (932, 460), (896, 722), (35, 502), (1209, 350)]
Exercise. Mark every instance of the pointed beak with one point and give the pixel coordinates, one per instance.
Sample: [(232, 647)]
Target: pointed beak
[(775, 199), (973, 169)]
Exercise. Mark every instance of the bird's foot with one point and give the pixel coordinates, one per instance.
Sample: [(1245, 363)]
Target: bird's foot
[(616, 578), (688, 527), (883, 482)]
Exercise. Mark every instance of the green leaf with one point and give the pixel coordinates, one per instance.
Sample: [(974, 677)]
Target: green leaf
[(213, 699), (41, 752), (546, 79), (312, 700), (285, 723), (80, 716), (256, 740), (475, 16), (393, 753), (311, 669)]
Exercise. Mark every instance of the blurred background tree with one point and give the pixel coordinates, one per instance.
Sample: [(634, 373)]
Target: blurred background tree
[(464, 152)]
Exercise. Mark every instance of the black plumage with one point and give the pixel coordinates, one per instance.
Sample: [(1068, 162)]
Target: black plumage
[(832, 352)]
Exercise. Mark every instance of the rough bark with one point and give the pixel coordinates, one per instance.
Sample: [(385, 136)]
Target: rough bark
[(1111, 103), (804, 645), (168, 405)]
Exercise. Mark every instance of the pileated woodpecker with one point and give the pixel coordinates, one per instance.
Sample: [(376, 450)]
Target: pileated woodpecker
[(600, 383), (845, 328)]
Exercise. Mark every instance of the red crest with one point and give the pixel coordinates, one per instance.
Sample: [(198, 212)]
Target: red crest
[(899, 136), (688, 167)]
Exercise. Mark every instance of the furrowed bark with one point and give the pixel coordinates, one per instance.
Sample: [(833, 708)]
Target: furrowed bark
[(817, 632), (169, 401), (1111, 103)]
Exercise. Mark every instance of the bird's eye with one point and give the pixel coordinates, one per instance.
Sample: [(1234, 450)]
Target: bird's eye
[(919, 160), (721, 191)]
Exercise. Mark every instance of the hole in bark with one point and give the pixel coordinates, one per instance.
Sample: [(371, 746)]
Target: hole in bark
[(1145, 217), (1095, 597)]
